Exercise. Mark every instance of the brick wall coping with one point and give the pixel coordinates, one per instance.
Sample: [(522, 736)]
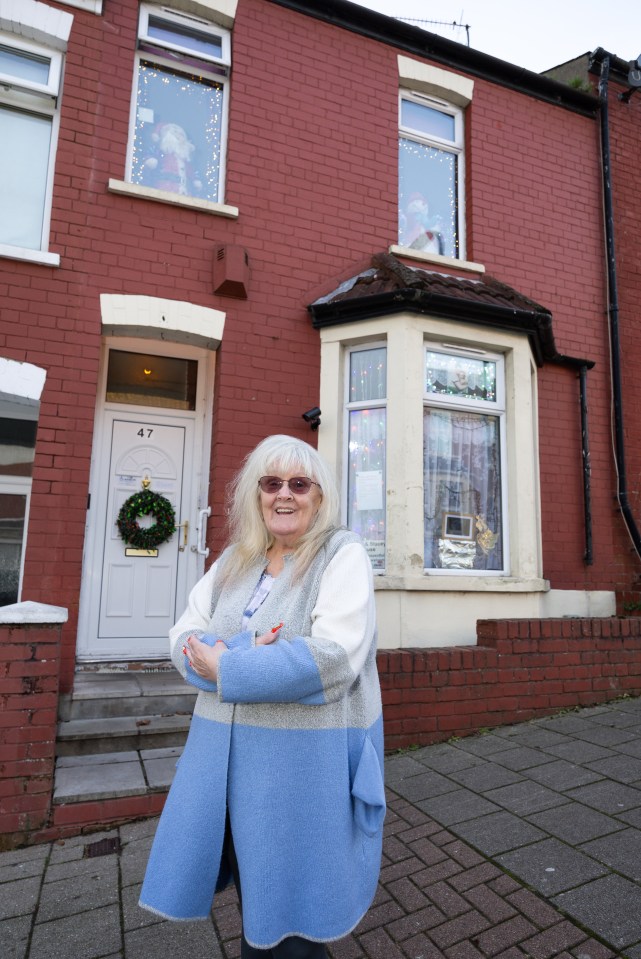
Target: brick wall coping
[(19, 614)]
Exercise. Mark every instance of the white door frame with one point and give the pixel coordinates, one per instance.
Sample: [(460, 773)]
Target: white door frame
[(195, 488)]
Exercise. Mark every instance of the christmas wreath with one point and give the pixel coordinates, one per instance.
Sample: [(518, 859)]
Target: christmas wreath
[(144, 504)]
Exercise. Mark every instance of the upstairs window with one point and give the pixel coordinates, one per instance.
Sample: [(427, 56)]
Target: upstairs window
[(180, 104), (430, 176), (30, 77), (463, 444)]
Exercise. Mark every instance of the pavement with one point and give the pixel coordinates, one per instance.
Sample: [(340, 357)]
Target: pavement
[(523, 841)]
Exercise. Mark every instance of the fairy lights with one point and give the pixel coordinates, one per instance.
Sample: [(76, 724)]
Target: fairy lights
[(451, 375), (431, 174), (192, 104), (366, 450)]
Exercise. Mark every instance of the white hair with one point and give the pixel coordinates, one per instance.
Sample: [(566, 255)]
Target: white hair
[(274, 456)]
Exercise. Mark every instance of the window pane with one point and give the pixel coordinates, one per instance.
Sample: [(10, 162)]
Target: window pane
[(23, 177), (368, 375), (17, 445), (366, 481), (462, 490), (24, 66), (195, 40), (146, 380), (13, 507), (177, 135), (427, 120), (428, 198), (451, 375)]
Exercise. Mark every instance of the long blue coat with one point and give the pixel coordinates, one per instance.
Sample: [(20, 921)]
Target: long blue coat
[(290, 743)]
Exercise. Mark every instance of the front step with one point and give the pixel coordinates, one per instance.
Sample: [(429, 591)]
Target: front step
[(82, 737), (106, 695), (121, 734)]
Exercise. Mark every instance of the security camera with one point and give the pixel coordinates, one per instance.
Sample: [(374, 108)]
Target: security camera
[(313, 417)]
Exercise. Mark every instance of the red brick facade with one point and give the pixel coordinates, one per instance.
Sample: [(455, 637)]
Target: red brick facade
[(312, 166)]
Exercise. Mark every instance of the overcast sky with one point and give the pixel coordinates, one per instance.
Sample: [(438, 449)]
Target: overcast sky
[(536, 35)]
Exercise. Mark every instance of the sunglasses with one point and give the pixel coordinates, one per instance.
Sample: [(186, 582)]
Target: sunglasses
[(297, 484)]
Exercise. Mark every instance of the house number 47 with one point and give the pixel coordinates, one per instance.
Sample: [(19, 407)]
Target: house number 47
[(144, 431)]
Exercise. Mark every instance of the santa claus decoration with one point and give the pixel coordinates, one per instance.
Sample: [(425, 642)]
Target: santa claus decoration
[(169, 166), (419, 231)]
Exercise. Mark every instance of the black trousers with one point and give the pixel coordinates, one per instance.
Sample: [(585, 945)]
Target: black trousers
[(291, 948)]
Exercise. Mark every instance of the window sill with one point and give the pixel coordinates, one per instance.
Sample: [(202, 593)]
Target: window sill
[(461, 584), (31, 256), (164, 196), (466, 266)]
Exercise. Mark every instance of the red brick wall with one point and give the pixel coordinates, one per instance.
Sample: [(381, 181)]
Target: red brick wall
[(519, 670), (312, 167), (29, 667)]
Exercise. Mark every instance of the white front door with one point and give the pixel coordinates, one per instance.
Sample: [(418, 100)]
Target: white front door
[(138, 597), (130, 598)]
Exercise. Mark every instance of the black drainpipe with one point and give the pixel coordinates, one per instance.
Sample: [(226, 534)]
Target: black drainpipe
[(613, 313), (585, 450)]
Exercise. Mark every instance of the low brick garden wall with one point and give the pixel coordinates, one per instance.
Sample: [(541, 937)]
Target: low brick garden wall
[(520, 669)]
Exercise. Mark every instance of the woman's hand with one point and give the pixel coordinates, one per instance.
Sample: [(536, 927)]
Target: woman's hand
[(269, 637), (203, 658)]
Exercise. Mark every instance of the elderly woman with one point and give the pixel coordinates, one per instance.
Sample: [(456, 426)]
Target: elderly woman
[(280, 783)]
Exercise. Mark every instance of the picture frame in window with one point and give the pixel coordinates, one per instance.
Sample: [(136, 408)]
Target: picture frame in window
[(458, 526)]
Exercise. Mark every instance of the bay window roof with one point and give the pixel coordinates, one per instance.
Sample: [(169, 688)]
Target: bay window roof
[(387, 286)]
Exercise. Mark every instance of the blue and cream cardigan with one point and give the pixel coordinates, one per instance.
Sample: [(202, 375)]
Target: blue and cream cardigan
[(290, 743)]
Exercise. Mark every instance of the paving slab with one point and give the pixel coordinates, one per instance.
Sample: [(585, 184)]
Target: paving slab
[(90, 934), (14, 936), (610, 906), (575, 824), (169, 940), (608, 796), (562, 775), (88, 891), (550, 866), (525, 797), (622, 852), (498, 832), (457, 806), (489, 775), (625, 769)]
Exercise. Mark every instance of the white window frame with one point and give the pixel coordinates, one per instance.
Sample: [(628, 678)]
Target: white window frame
[(496, 409), (42, 100), (455, 146), (361, 405), (184, 20), (218, 72)]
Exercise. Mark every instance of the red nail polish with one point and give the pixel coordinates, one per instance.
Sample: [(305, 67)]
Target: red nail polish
[(276, 628)]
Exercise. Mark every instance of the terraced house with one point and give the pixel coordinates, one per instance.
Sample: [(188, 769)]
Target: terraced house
[(220, 215)]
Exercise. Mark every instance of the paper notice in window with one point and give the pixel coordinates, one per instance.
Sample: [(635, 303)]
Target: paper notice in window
[(369, 490), (145, 115)]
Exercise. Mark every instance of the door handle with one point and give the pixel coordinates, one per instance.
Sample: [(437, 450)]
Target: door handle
[(184, 526), (201, 549)]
